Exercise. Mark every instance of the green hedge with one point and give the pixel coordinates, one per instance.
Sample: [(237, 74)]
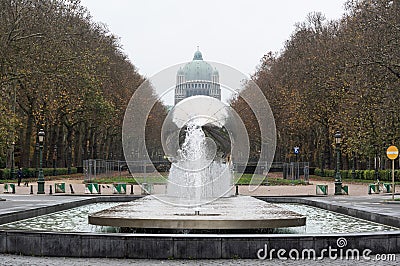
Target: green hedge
[(30, 172), (384, 175)]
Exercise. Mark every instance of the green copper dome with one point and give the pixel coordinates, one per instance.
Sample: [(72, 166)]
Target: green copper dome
[(198, 69)]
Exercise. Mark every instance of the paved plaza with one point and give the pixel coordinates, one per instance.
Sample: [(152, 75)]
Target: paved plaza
[(12, 260)]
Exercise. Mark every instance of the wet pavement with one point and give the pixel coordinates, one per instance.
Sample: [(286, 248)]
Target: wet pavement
[(16, 203), (378, 204), (12, 260)]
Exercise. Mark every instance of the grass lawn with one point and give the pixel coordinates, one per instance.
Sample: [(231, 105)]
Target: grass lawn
[(243, 180)]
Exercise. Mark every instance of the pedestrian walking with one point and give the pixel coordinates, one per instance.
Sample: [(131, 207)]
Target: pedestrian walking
[(19, 176)]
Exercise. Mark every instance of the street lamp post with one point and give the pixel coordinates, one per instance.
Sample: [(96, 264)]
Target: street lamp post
[(37, 160), (338, 177), (40, 175), (322, 163), (54, 160), (376, 163), (297, 165), (69, 159), (12, 172)]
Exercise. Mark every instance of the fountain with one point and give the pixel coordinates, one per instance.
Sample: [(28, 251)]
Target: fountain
[(196, 175), (199, 195)]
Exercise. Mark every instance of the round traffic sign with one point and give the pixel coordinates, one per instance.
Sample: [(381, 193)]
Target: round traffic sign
[(392, 152)]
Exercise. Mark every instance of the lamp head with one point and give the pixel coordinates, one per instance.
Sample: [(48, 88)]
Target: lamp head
[(338, 137), (41, 136)]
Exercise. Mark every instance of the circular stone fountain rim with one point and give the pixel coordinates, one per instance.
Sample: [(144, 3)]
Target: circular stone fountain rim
[(241, 212)]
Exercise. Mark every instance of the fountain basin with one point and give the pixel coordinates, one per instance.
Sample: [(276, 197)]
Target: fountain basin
[(233, 213), (88, 243)]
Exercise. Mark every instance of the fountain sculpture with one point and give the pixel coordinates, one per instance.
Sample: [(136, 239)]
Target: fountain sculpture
[(199, 195)]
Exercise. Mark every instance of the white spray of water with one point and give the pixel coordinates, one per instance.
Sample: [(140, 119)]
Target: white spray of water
[(197, 176)]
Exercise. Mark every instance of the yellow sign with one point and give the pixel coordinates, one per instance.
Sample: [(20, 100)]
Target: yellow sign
[(392, 152)]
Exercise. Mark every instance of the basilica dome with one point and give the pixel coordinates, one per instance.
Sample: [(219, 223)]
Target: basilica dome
[(198, 69), (197, 78)]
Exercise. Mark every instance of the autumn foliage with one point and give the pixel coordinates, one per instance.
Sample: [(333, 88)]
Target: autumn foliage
[(337, 75), (62, 72)]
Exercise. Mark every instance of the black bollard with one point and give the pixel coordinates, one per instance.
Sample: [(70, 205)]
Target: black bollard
[(71, 188), (131, 188), (51, 190), (99, 189), (237, 190), (31, 189)]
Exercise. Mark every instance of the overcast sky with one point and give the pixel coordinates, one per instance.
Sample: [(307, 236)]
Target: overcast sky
[(156, 34)]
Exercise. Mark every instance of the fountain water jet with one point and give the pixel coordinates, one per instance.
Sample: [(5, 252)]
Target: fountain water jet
[(197, 176)]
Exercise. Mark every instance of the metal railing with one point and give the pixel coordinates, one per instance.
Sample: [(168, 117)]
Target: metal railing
[(96, 168), (295, 170)]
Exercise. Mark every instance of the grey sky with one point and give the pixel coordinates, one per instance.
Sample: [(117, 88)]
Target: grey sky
[(157, 34)]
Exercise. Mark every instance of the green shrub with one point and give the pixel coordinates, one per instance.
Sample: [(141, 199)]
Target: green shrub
[(384, 175), (345, 173), (396, 175), (329, 173), (4, 174), (318, 172), (368, 175), (359, 174)]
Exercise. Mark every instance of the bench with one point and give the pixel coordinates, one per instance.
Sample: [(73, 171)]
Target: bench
[(92, 188), (387, 187), (119, 188), (321, 189), (373, 188), (9, 188), (345, 190), (59, 187)]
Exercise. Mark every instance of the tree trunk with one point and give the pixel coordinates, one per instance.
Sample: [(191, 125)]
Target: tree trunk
[(26, 143), (69, 148)]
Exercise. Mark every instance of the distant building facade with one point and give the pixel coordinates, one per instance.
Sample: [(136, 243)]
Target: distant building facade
[(197, 78)]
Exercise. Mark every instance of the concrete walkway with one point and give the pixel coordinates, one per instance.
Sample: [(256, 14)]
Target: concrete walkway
[(376, 204), (24, 203), (20, 203)]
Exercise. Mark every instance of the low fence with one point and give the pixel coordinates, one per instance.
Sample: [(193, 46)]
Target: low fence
[(95, 168), (295, 170)]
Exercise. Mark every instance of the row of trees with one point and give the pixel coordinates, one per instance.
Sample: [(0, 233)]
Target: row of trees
[(337, 75), (62, 72)]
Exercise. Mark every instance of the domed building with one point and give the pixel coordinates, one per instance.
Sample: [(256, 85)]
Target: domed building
[(197, 78)]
